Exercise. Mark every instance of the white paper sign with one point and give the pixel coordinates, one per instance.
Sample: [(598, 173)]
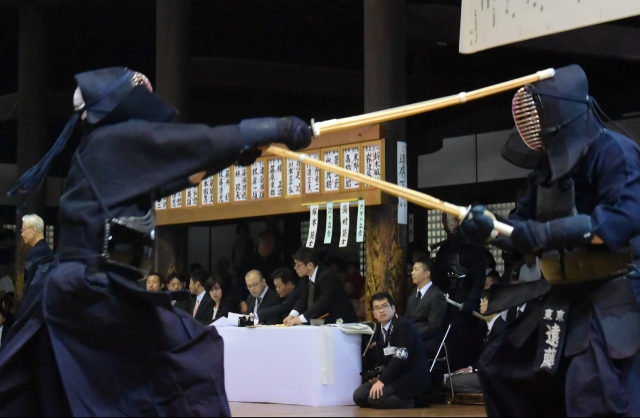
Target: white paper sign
[(402, 181), (224, 185), (331, 180), (192, 196), (411, 227), (293, 177), (360, 227), (351, 161), (240, 183), (176, 200), (372, 162), (161, 204), (257, 180), (275, 177), (344, 224), (329, 230), (312, 176), (207, 191), (313, 226)]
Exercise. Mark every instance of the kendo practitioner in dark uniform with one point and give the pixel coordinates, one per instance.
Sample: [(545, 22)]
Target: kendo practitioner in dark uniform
[(575, 352), (460, 272), (88, 341)]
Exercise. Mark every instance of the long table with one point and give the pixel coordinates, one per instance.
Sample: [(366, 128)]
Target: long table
[(302, 365)]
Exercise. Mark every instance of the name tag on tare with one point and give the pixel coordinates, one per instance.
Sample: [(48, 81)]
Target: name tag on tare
[(389, 351)]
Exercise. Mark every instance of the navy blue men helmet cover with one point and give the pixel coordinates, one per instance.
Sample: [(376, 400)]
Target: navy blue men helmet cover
[(554, 117)]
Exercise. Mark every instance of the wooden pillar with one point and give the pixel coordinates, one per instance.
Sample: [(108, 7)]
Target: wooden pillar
[(385, 87), (172, 84), (32, 115)]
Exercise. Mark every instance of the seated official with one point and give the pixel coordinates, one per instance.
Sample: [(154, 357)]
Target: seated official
[(202, 305), (219, 290), (399, 350), (289, 291), (155, 282), (426, 306), (176, 282), (261, 296), (466, 380), (325, 296)]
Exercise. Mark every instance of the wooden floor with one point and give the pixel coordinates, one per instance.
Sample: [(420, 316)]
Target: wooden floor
[(239, 409)]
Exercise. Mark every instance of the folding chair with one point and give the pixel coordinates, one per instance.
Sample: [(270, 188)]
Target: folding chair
[(445, 358)]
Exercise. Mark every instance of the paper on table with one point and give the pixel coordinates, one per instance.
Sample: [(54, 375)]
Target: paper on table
[(232, 320), (220, 322)]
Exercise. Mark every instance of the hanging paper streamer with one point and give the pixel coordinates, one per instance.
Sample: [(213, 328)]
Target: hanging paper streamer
[(402, 181), (360, 227), (257, 180), (411, 227), (313, 226), (344, 224), (161, 204), (207, 191), (192, 196), (176, 200), (329, 230)]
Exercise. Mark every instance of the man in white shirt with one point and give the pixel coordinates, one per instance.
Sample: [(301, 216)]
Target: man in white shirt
[(202, 306), (530, 271)]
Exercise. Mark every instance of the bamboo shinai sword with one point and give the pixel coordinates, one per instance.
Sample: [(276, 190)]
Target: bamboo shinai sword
[(334, 125)]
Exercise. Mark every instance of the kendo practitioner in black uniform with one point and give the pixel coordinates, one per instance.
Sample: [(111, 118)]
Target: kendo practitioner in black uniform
[(575, 352), (88, 341), (460, 272)]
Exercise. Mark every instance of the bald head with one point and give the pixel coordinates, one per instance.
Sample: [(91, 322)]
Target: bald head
[(255, 282)]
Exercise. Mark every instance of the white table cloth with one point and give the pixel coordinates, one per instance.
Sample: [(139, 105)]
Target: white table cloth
[(302, 365)]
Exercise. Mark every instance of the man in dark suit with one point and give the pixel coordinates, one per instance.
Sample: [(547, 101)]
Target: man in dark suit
[(325, 296), (202, 305), (426, 306), (261, 296), (399, 350), (287, 287), (39, 253)]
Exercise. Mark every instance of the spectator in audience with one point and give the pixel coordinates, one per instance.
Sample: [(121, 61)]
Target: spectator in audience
[(357, 303), (219, 292), (261, 296), (155, 282), (6, 283), (202, 305), (529, 272), (223, 274), (336, 264), (466, 380), (193, 267), (399, 350), (353, 275), (427, 306), (175, 283), (493, 277), (4, 330), (259, 260), (325, 296), (242, 246), (7, 244), (289, 291), (40, 253)]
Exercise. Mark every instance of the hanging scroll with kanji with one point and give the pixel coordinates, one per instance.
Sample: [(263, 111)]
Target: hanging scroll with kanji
[(161, 204), (239, 183), (207, 191), (351, 161), (257, 180), (224, 185), (313, 226), (293, 177), (360, 223), (372, 163), (329, 228), (344, 224), (331, 181), (176, 200), (312, 176), (275, 177), (192, 196)]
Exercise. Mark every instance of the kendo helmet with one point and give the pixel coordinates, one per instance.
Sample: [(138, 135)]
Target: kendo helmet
[(450, 223), (542, 109)]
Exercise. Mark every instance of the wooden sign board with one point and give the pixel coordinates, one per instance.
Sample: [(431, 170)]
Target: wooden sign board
[(273, 185)]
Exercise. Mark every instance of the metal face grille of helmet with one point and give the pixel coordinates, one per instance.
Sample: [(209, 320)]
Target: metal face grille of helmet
[(451, 223), (527, 114)]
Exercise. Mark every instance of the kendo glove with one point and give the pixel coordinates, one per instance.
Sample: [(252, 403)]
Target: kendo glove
[(291, 131), (477, 226), (570, 232)]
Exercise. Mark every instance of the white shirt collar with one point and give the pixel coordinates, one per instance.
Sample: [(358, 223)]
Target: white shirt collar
[(201, 295), (313, 276), (522, 307), (424, 289), (493, 321), (386, 327)]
